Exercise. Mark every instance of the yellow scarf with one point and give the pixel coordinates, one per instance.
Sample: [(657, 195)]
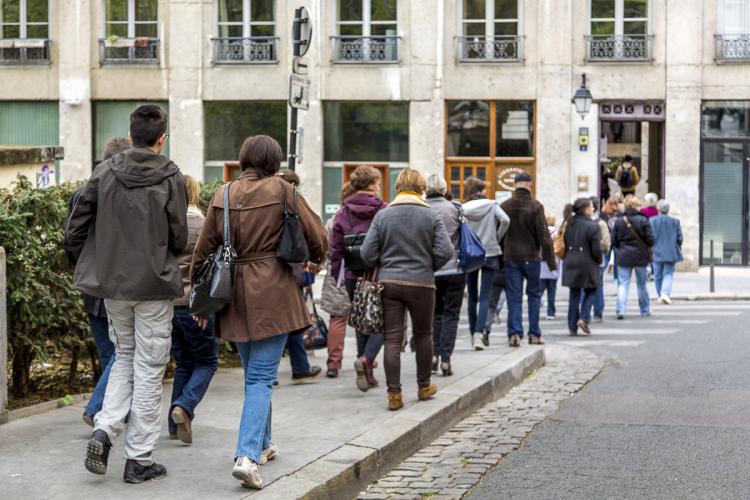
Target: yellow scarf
[(411, 193)]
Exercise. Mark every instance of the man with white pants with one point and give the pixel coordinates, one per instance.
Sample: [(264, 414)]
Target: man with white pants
[(126, 228)]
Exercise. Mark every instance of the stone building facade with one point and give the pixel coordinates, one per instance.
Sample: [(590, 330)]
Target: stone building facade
[(470, 87)]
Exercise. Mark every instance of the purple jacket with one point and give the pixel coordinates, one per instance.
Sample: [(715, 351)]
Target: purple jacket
[(650, 211), (355, 217)]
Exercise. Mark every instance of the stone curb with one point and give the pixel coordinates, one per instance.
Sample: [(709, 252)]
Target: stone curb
[(349, 469), (28, 411)]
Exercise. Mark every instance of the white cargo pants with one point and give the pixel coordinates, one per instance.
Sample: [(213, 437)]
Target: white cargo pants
[(141, 332)]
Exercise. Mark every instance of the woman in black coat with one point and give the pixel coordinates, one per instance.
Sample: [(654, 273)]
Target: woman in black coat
[(583, 256)]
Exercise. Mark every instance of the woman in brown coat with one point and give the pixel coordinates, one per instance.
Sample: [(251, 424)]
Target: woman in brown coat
[(267, 304)]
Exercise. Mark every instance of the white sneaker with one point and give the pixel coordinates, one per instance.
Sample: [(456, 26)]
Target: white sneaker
[(550, 318), (269, 454), (664, 299), (247, 471), (478, 344)]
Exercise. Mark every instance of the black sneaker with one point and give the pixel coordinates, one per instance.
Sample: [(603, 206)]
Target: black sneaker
[(97, 453), (137, 473), (486, 339), (314, 372)]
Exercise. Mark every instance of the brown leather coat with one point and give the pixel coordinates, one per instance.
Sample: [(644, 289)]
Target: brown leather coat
[(267, 301)]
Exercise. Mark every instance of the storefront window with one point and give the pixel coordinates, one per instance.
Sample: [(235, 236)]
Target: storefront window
[(725, 118), (468, 128), (515, 128)]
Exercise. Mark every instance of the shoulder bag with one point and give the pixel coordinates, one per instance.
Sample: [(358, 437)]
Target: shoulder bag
[(559, 241), (640, 240), (471, 253), (353, 248), (316, 335), (213, 288), (293, 246), (367, 306)]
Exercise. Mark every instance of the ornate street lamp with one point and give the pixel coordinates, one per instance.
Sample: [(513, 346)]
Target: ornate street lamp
[(582, 99)]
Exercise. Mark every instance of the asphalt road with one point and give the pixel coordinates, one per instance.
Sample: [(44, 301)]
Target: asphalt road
[(668, 418)]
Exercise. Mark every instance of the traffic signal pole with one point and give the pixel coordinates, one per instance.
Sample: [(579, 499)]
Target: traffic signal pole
[(296, 42)]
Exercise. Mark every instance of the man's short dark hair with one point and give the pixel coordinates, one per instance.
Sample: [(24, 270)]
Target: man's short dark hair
[(116, 145), (147, 124), (261, 153), (628, 158)]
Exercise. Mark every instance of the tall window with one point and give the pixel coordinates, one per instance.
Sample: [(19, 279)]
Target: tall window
[(131, 18), (490, 30), (367, 30), (24, 19), (619, 17), (246, 18), (733, 30)]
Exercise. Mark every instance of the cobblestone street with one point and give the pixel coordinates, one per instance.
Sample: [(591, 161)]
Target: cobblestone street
[(455, 462)]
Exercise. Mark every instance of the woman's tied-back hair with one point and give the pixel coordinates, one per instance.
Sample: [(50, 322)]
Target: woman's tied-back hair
[(473, 186), (410, 180), (346, 191), (363, 177), (193, 190), (261, 153)]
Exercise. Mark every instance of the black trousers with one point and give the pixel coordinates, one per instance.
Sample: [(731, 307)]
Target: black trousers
[(449, 295)]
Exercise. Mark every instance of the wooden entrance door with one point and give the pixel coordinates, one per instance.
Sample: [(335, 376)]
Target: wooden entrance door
[(459, 170)]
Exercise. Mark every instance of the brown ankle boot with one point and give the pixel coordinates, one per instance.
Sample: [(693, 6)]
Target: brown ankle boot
[(427, 392), (395, 401)]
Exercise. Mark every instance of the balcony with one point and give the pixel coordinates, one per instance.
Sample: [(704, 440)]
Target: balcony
[(619, 48), (381, 49), (507, 48), (23, 52), (732, 48), (254, 50), (141, 51)]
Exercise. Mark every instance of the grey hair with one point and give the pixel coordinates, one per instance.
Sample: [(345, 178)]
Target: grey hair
[(116, 145), (436, 185), (651, 199), (663, 206)]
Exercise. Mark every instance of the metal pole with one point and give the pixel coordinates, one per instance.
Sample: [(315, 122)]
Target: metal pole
[(296, 34), (712, 279)]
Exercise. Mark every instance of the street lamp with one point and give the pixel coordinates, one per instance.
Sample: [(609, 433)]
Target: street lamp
[(582, 99)]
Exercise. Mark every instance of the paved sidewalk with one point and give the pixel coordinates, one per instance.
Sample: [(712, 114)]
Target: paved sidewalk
[(323, 427), (730, 284)]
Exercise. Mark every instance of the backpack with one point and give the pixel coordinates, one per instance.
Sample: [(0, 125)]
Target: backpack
[(558, 242), (626, 178)]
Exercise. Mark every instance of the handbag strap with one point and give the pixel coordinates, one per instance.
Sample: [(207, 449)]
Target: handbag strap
[(309, 294), (635, 233), (227, 235), (294, 201)]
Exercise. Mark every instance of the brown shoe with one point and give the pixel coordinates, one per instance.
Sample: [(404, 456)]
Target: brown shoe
[(184, 428), (534, 340), (514, 341), (584, 325), (395, 401), (426, 393)]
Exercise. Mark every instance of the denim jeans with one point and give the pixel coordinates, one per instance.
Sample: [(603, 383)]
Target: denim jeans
[(598, 303), (297, 355), (196, 356), (367, 345), (260, 360), (641, 276), (579, 306), (449, 295), (479, 294), (515, 272), (550, 286), (663, 274), (106, 350)]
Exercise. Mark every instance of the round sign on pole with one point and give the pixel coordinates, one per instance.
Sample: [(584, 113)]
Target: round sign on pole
[(302, 31)]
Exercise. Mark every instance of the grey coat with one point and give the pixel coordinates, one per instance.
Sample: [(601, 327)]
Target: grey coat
[(408, 242), (449, 214)]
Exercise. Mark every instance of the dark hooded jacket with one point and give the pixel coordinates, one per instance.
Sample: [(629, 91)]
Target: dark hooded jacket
[(354, 218), (127, 226)]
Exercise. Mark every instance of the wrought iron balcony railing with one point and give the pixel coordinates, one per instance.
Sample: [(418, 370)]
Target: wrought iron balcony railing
[(254, 50), (732, 48), (24, 52), (129, 51), (507, 48), (621, 48), (366, 49)]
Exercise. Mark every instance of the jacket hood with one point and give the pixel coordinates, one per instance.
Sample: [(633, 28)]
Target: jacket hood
[(363, 205), (141, 167), (478, 209)]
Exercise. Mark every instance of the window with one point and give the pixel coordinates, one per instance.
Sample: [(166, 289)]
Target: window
[(246, 32), (366, 31), (490, 30), (112, 119), (228, 123), (366, 131), (619, 30), (24, 19), (131, 18), (30, 123), (733, 30)]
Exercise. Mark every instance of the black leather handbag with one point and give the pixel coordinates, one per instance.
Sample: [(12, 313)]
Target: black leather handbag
[(353, 249), (293, 246), (213, 288)]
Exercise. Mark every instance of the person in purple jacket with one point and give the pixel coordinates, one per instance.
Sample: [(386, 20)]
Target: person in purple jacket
[(355, 218)]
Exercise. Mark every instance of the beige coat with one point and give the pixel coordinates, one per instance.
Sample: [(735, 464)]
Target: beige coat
[(267, 301)]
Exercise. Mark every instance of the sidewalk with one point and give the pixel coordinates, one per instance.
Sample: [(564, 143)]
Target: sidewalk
[(334, 439), (730, 284)]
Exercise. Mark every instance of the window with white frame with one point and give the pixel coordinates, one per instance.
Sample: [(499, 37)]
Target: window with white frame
[(490, 29), (22, 19), (246, 18), (733, 30), (619, 29), (131, 18), (366, 30)]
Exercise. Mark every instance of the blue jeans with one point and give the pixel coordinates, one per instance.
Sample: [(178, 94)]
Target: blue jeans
[(624, 275), (196, 356), (515, 272), (479, 294), (106, 350), (367, 345), (260, 360), (599, 299), (579, 306), (663, 273), (297, 355), (550, 286)]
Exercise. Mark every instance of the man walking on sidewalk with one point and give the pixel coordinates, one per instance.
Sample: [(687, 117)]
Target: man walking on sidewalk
[(526, 236), (126, 228)]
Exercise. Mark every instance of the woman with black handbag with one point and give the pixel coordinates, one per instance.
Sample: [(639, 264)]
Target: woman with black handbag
[(266, 304), (350, 226)]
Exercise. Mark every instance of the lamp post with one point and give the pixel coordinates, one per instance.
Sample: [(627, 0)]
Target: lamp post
[(582, 99)]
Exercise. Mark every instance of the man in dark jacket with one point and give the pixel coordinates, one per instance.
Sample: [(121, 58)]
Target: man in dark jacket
[(94, 306), (525, 243), (125, 230), (633, 238)]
